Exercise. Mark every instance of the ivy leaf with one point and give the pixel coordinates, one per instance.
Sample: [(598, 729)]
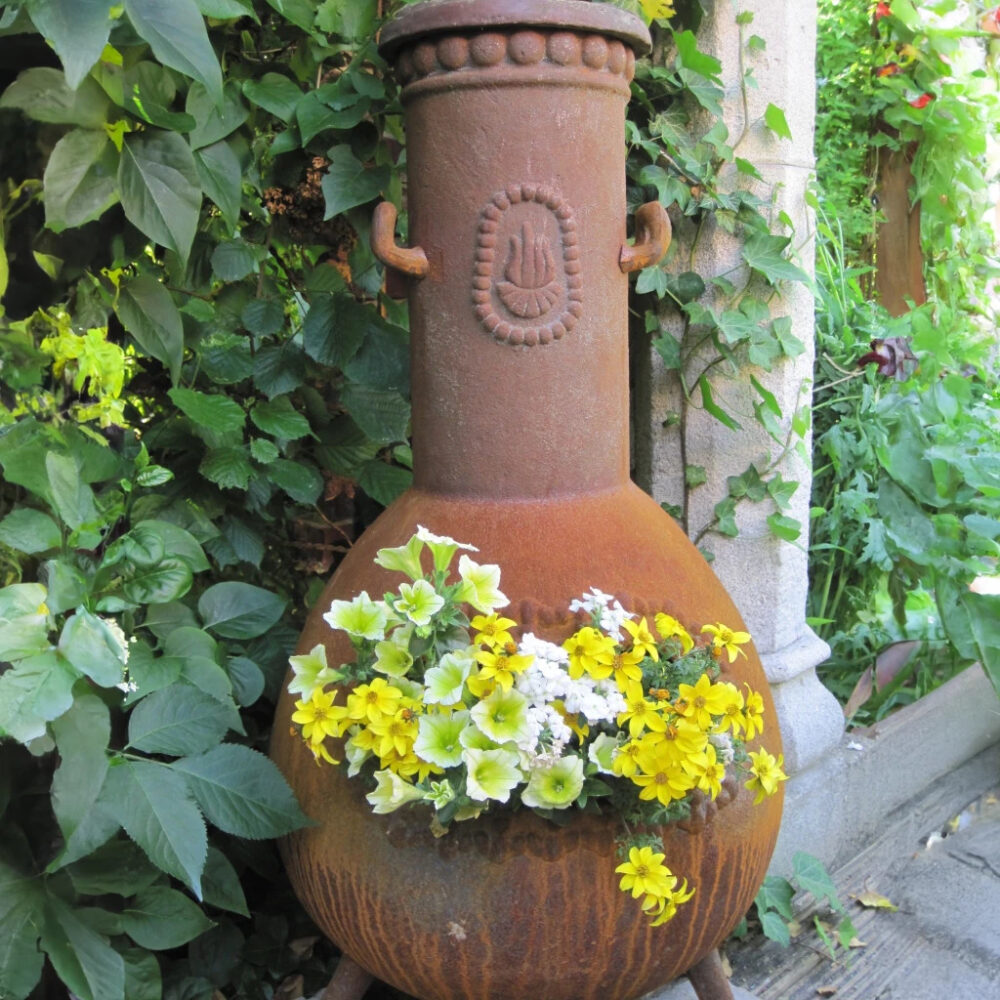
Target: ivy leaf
[(154, 806), (242, 792), (81, 956), (784, 527), (159, 187), (77, 29), (79, 183), (177, 35), (774, 119), (237, 610), (221, 178), (178, 720), (161, 918), (42, 94), (82, 735), (214, 410), (29, 531), (813, 877), (228, 468), (688, 55), (765, 254), (147, 310), (348, 183), (277, 417), (275, 93), (708, 402)]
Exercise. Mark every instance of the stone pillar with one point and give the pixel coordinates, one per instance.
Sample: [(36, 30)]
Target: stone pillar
[(766, 577)]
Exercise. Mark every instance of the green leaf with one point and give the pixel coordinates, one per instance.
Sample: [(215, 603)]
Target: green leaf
[(42, 93), (274, 93), (708, 401), (82, 957), (176, 33), (776, 893), (334, 329), (302, 13), (278, 370), (350, 19), (82, 735), (77, 29), (263, 450), (775, 928), (178, 720), (179, 542), (80, 182), (142, 975), (347, 183), (652, 279), (233, 259), (813, 877), (214, 410), (67, 586), (207, 676), (24, 628), (72, 498), (155, 807), (784, 527), (246, 543), (30, 531), (686, 286), (384, 482), (213, 122), (226, 10), (167, 581), (689, 56), (118, 867), (383, 361), (159, 186), (161, 918), (247, 679), (88, 643), (237, 610), (669, 349), (94, 830), (383, 416), (221, 884), (228, 468), (263, 317), (226, 358), (221, 178), (774, 119), (21, 919), (242, 792), (148, 312), (344, 448), (313, 115), (765, 254), (301, 482), (746, 168), (278, 417)]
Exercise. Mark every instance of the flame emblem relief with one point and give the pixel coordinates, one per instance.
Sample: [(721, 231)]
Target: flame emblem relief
[(527, 288)]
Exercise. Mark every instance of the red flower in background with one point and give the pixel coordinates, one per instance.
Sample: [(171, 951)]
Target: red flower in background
[(882, 10), (889, 69), (922, 101), (990, 21)]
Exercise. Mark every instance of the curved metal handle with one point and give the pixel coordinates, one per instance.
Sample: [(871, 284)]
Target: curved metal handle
[(652, 237), (411, 261)]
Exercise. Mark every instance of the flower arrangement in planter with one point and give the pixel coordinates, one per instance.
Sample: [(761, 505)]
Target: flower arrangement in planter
[(444, 706)]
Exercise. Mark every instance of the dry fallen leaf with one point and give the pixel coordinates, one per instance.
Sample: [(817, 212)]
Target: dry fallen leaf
[(857, 943), (876, 901), (826, 991)]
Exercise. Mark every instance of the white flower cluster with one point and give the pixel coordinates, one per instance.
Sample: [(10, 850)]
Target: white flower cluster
[(547, 680), (611, 613)]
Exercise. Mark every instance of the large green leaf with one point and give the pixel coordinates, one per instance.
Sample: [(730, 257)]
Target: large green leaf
[(178, 720), (160, 189), (214, 410), (82, 957), (90, 645), (237, 610), (228, 467), (221, 178), (34, 691), (766, 255), (213, 122), (221, 884), (77, 29), (383, 361), (383, 416), (278, 370), (300, 481), (334, 328), (82, 735), (302, 13), (348, 183), (351, 19), (167, 581), (242, 792), (21, 919), (72, 498), (278, 417), (41, 93), (234, 259), (180, 543), (148, 312), (274, 93), (118, 867), (161, 918), (80, 182), (154, 806), (177, 35), (384, 482), (30, 531), (143, 980)]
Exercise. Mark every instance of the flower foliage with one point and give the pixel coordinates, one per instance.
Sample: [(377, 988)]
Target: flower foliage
[(454, 712)]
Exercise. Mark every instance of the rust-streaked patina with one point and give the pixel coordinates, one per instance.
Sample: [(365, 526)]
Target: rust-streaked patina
[(517, 282)]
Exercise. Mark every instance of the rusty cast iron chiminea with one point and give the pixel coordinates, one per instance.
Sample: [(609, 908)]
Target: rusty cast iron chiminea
[(517, 279)]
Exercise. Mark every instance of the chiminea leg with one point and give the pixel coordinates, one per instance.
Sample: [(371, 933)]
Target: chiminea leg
[(709, 980), (349, 982)]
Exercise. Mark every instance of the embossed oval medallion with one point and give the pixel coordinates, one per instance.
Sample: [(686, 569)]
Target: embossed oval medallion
[(527, 287)]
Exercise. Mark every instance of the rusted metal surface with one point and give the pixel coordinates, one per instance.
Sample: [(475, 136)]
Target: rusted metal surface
[(652, 237), (411, 261), (516, 190)]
